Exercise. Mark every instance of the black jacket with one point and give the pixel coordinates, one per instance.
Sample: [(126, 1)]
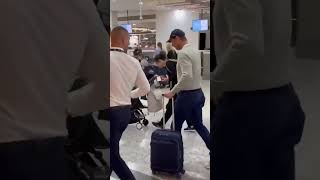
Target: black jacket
[(172, 55), (172, 72)]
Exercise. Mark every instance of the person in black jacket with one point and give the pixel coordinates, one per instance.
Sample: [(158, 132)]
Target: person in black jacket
[(172, 54), (169, 62)]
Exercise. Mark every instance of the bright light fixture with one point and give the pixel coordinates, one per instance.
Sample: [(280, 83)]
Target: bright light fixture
[(179, 13)]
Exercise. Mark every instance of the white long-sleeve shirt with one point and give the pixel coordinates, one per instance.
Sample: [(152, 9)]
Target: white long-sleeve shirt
[(188, 69), (125, 74), (44, 46)]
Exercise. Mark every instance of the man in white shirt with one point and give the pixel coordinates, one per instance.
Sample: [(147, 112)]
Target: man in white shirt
[(44, 46), (126, 74)]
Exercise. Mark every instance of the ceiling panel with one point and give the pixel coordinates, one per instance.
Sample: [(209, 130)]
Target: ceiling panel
[(159, 5)]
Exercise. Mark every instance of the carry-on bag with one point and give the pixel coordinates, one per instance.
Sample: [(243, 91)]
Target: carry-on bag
[(167, 149)]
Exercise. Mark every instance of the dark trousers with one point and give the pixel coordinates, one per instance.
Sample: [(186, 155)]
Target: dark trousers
[(168, 112), (255, 134), (189, 105), (119, 120), (34, 160)]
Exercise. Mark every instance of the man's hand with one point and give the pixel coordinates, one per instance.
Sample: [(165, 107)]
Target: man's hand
[(169, 95)]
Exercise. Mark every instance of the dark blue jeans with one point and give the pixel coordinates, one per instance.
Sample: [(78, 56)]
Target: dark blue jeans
[(255, 133), (189, 105), (119, 120), (168, 113), (35, 160)]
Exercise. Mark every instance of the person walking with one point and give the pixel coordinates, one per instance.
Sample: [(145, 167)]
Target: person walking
[(190, 98), (121, 85), (170, 65)]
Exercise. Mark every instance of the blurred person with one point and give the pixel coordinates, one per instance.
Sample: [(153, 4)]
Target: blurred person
[(158, 49), (137, 53), (258, 119), (171, 52), (40, 58), (126, 73)]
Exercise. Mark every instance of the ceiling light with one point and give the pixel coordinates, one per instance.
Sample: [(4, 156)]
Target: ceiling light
[(179, 13)]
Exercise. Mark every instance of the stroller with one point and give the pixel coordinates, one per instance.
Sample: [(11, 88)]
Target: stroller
[(137, 115), (85, 145), (84, 149)]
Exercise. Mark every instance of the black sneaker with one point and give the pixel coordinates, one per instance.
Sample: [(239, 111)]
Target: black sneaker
[(158, 124), (189, 128)]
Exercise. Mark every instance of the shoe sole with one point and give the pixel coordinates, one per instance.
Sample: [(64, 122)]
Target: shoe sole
[(188, 130)]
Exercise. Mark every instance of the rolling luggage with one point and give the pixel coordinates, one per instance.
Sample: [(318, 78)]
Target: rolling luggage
[(167, 150)]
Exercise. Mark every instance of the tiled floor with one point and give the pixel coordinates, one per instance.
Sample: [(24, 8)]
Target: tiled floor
[(135, 148)]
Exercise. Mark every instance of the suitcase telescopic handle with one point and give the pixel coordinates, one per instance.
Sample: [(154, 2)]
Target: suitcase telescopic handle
[(163, 112), (173, 116)]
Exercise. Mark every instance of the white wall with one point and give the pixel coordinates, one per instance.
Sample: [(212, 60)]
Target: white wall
[(176, 19), (114, 19)]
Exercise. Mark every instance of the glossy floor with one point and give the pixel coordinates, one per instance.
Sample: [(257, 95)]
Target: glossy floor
[(135, 148)]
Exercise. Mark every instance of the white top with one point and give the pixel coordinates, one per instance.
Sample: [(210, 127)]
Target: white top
[(125, 74), (188, 69), (44, 46)]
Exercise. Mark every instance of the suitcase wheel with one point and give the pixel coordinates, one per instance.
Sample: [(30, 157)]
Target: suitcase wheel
[(183, 171), (154, 172), (139, 126), (145, 122)]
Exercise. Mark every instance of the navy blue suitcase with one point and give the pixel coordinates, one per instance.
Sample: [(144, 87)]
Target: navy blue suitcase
[(167, 151)]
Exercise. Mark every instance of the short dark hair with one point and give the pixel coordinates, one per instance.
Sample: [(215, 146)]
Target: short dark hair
[(161, 56), (137, 52)]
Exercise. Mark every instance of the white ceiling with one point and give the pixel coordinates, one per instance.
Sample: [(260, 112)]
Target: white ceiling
[(157, 5)]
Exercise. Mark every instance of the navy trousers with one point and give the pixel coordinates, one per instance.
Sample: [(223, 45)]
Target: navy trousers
[(119, 120), (168, 113), (35, 160), (254, 134), (189, 105)]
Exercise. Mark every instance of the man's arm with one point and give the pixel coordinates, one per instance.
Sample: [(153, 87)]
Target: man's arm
[(142, 84), (94, 69), (246, 38), (186, 70)]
